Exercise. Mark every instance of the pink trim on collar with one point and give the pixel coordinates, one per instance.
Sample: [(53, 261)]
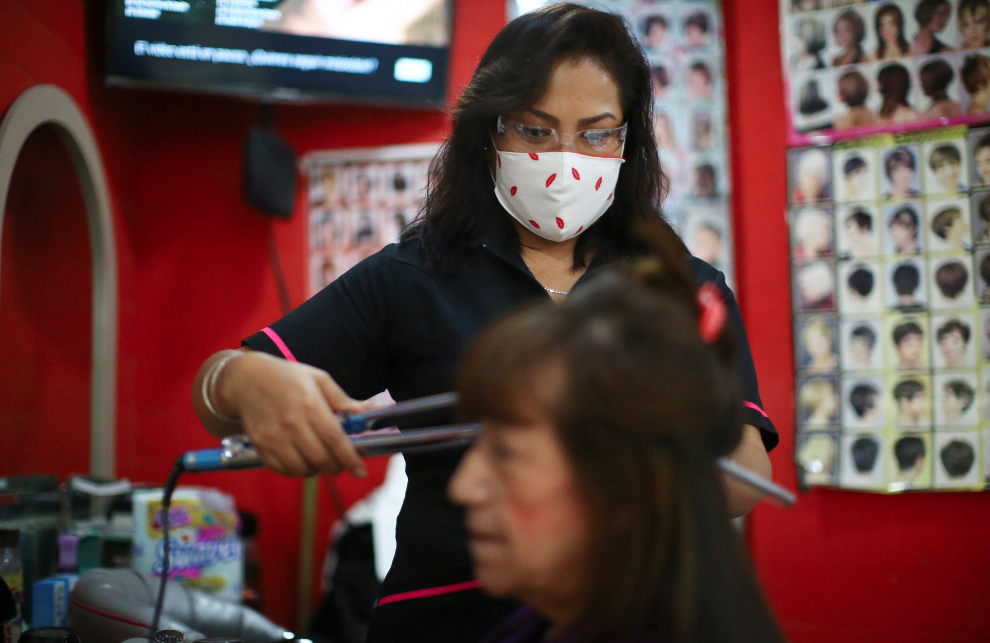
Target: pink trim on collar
[(272, 335), (750, 405), (432, 591)]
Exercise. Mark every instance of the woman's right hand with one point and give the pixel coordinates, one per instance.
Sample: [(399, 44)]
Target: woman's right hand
[(287, 411)]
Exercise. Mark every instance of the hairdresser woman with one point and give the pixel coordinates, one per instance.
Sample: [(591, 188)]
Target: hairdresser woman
[(550, 166)]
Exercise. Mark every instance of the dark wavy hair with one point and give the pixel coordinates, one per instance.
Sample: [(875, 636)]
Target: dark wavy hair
[(894, 82), (902, 43), (645, 408), (512, 75)]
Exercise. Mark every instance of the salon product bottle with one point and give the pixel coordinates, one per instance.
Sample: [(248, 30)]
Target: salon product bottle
[(13, 575), (49, 635), (169, 636)]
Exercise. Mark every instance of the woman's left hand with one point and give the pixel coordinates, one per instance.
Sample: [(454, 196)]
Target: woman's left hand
[(751, 454)]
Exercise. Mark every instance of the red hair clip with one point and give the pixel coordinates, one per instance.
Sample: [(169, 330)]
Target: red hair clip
[(713, 312)]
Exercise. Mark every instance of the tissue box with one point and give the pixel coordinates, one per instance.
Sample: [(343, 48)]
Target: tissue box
[(50, 601), (204, 549)]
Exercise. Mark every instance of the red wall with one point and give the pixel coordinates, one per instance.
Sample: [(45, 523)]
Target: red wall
[(839, 565), (194, 278), (194, 272), (45, 374)]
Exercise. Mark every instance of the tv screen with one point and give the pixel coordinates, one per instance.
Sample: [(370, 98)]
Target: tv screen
[(368, 51)]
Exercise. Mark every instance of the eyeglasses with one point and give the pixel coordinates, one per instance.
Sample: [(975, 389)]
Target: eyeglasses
[(519, 137)]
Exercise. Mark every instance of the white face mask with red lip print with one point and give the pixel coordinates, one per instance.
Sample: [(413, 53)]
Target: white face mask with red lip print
[(556, 195)]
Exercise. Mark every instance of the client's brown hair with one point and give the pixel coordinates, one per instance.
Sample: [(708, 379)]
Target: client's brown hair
[(645, 408)]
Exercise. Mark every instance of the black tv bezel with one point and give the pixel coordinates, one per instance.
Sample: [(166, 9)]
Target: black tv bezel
[(278, 93)]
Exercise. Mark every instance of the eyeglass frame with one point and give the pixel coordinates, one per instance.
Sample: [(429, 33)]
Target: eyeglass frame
[(557, 134)]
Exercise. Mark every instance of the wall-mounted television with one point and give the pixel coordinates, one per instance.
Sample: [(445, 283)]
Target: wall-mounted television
[(361, 51)]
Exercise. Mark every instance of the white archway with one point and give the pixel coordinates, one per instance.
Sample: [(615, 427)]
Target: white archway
[(52, 106)]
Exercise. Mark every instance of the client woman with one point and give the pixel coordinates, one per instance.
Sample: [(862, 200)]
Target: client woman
[(549, 167), (592, 493)]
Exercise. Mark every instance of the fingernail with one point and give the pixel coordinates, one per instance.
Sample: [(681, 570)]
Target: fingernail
[(360, 472)]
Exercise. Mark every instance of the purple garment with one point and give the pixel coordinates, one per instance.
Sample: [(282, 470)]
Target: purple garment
[(526, 626)]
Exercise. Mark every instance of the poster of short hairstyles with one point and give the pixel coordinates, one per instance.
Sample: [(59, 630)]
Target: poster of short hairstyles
[(684, 45), (891, 291), (359, 201), (855, 68)]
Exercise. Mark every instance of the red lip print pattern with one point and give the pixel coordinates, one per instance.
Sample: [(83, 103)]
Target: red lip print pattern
[(575, 173), (609, 197), (598, 184), (533, 156), (534, 224), (560, 223), (550, 180), (512, 191), (580, 229)]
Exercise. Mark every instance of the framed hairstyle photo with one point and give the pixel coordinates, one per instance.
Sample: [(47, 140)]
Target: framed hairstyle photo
[(862, 465), (951, 282), (817, 455), (948, 227), (954, 338), (956, 460), (857, 231), (862, 344), (817, 338), (855, 173), (909, 461), (860, 287), (862, 403)]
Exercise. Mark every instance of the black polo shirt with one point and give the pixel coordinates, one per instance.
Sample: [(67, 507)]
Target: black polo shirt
[(394, 323)]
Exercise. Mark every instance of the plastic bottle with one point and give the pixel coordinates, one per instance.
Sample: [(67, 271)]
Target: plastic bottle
[(13, 574)]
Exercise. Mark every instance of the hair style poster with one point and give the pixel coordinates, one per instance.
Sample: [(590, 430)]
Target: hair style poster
[(853, 67), (360, 200), (684, 45), (890, 249)]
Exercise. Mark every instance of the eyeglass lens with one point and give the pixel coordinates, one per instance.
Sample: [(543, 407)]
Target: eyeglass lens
[(520, 137)]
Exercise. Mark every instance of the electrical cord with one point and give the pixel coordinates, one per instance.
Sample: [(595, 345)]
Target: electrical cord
[(280, 284), (170, 484)]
